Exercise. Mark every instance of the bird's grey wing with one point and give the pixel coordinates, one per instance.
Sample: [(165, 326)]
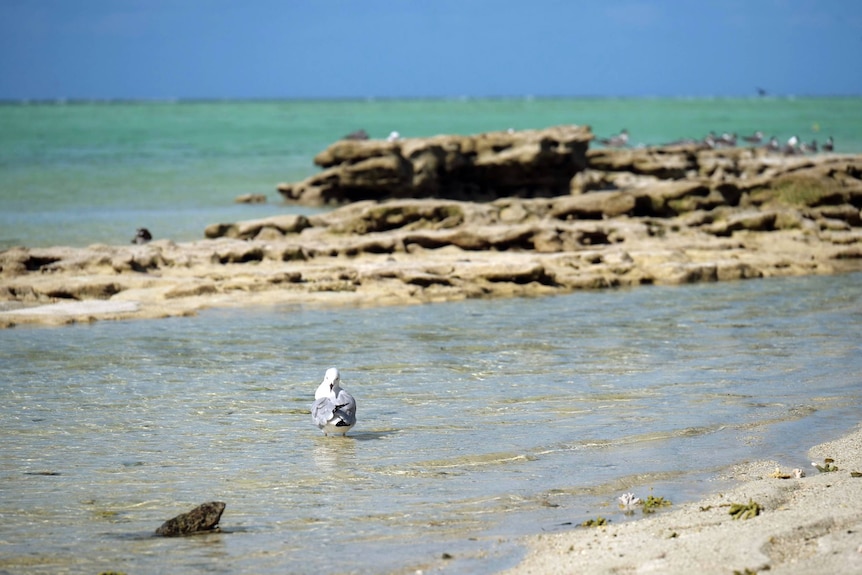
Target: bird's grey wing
[(346, 407), (322, 410)]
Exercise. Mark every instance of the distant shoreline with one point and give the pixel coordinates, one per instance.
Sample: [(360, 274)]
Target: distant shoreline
[(74, 101)]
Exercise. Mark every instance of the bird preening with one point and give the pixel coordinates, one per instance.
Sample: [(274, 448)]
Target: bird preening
[(334, 409)]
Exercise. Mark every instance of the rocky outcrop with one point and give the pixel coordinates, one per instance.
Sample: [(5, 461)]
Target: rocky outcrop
[(529, 163), (743, 168), (709, 215), (412, 251), (556, 162)]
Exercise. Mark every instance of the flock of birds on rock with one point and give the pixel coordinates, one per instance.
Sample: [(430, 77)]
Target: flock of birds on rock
[(794, 146)]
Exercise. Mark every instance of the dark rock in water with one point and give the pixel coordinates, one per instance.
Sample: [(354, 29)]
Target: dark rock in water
[(250, 199), (202, 518)]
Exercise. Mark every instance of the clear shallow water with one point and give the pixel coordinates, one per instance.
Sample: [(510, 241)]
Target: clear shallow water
[(85, 173), (478, 421)]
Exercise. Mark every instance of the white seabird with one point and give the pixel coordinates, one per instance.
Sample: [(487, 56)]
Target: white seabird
[(791, 147), (333, 410), (619, 141)]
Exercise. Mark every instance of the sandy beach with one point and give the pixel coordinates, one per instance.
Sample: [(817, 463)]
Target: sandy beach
[(811, 525)]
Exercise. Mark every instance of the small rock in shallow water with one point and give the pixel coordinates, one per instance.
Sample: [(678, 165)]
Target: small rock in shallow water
[(204, 517)]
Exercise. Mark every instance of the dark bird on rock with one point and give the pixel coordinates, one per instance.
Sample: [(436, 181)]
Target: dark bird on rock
[(357, 135), (142, 237), (755, 138), (828, 145)]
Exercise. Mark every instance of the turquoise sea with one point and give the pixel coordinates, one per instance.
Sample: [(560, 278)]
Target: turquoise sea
[(82, 173)]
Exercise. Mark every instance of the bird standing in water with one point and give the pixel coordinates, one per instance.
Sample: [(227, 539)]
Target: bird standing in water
[(334, 409)]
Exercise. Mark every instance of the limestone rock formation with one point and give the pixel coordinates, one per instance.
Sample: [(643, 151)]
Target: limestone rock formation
[(529, 163), (707, 215)]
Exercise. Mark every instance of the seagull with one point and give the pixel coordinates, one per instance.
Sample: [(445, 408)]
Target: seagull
[(727, 140), (773, 145), (828, 145), (806, 148), (710, 140), (790, 148), (393, 136), (333, 410), (618, 141), (754, 139)]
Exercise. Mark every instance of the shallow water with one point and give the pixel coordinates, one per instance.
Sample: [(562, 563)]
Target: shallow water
[(478, 421)]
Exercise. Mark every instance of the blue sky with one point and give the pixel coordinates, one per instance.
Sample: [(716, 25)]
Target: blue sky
[(427, 48)]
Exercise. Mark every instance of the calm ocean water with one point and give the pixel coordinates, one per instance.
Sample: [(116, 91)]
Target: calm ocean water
[(479, 421), (84, 173)]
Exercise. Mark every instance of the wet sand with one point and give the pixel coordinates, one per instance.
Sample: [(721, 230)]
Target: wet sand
[(808, 525)]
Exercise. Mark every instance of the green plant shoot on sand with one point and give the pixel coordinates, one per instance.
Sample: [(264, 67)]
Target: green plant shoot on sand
[(597, 522), (652, 503), (743, 511), (827, 466)]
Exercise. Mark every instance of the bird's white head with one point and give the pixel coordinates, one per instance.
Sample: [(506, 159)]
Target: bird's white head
[(332, 377)]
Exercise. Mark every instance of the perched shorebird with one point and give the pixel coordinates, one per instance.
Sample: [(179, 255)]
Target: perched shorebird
[(808, 148), (618, 141), (727, 140), (393, 136), (333, 410), (791, 147), (828, 145), (773, 145), (142, 237), (755, 138), (711, 140)]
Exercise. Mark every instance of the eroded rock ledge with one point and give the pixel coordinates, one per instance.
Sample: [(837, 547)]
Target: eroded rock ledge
[(528, 163), (412, 251), (631, 217)]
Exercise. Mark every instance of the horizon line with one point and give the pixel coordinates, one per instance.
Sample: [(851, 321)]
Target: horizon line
[(372, 99)]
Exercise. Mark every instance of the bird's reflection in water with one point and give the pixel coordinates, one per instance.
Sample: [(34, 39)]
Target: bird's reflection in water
[(338, 453), (334, 454)]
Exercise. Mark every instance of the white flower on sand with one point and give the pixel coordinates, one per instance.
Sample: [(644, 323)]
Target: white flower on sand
[(628, 500)]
